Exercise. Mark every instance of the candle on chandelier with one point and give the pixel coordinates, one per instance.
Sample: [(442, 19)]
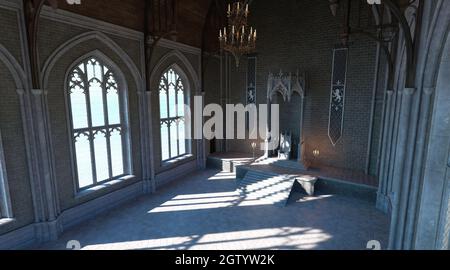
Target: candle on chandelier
[(229, 8), (232, 35), (246, 9)]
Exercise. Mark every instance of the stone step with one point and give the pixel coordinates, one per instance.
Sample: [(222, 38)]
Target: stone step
[(265, 187)]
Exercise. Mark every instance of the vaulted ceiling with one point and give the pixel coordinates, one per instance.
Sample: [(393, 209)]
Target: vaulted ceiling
[(194, 26), (191, 15)]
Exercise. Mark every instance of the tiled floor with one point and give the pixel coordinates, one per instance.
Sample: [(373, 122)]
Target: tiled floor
[(204, 211)]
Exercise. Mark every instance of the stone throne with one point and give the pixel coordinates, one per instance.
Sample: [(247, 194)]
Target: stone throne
[(284, 153), (286, 84)]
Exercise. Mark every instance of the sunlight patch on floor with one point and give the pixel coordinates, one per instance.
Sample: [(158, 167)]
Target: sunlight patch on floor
[(217, 200), (205, 195), (288, 237), (223, 176)]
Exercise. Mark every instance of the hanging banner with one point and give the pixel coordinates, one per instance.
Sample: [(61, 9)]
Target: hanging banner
[(251, 86), (337, 96), (251, 80)]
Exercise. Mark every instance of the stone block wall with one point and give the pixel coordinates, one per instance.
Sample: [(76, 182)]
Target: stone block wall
[(300, 35), (75, 36)]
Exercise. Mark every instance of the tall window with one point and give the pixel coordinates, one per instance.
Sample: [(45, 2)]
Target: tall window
[(172, 98), (5, 203), (99, 129)]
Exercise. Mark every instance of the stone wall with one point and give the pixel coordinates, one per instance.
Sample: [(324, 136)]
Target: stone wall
[(11, 126), (300, 35), (63, 38)]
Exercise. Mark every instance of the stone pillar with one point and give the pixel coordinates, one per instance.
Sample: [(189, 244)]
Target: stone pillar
[(198, 130), (384, 192), (145, 112), (301, 143), (45, 187), (401, 173), (417, 170), (267, 139)]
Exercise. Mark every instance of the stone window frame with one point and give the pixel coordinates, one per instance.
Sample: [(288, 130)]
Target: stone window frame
[(186, 91), (5, 199), (124, 125)]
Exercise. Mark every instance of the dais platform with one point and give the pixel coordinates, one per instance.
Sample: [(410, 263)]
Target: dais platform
[(273, 180)]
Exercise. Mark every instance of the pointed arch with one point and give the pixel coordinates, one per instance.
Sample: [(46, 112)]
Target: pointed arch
[(114, 121), (166, 61), (105, 59), (14, 67), (20, 81), (436, 42), (173, 93), (71, 43)]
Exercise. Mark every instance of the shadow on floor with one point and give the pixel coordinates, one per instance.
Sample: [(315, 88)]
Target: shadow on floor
[(204, 211)]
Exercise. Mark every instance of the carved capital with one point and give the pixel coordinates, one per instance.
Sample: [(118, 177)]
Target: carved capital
[(409, 91), (429, 90), (39, 92), (20, 92)]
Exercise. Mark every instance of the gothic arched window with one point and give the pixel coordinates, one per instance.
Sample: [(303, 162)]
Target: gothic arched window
[(97, 108), (172, 101)]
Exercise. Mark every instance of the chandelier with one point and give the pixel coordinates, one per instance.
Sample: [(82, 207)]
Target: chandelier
[(237, 38)]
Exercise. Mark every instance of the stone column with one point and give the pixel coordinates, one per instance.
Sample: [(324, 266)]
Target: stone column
[(419, 176), (301, 150), (198, 130), (145, 113), (383, 190), (267, 139), (45, 186), (401, 171)]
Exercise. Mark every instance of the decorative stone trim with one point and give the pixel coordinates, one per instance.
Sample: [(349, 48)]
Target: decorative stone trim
[(11, 4), (71, 18), (29, 236), (164, 62), (68, 45), (286, 85), (169, 44), (14, 67)]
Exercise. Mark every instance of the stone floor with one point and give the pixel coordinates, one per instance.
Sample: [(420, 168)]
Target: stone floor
[(203, 211)]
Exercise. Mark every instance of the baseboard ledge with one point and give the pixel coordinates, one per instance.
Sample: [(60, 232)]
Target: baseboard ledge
[(32, 235)]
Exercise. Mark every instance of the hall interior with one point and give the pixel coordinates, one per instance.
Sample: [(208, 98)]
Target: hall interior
[(224, 124)]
